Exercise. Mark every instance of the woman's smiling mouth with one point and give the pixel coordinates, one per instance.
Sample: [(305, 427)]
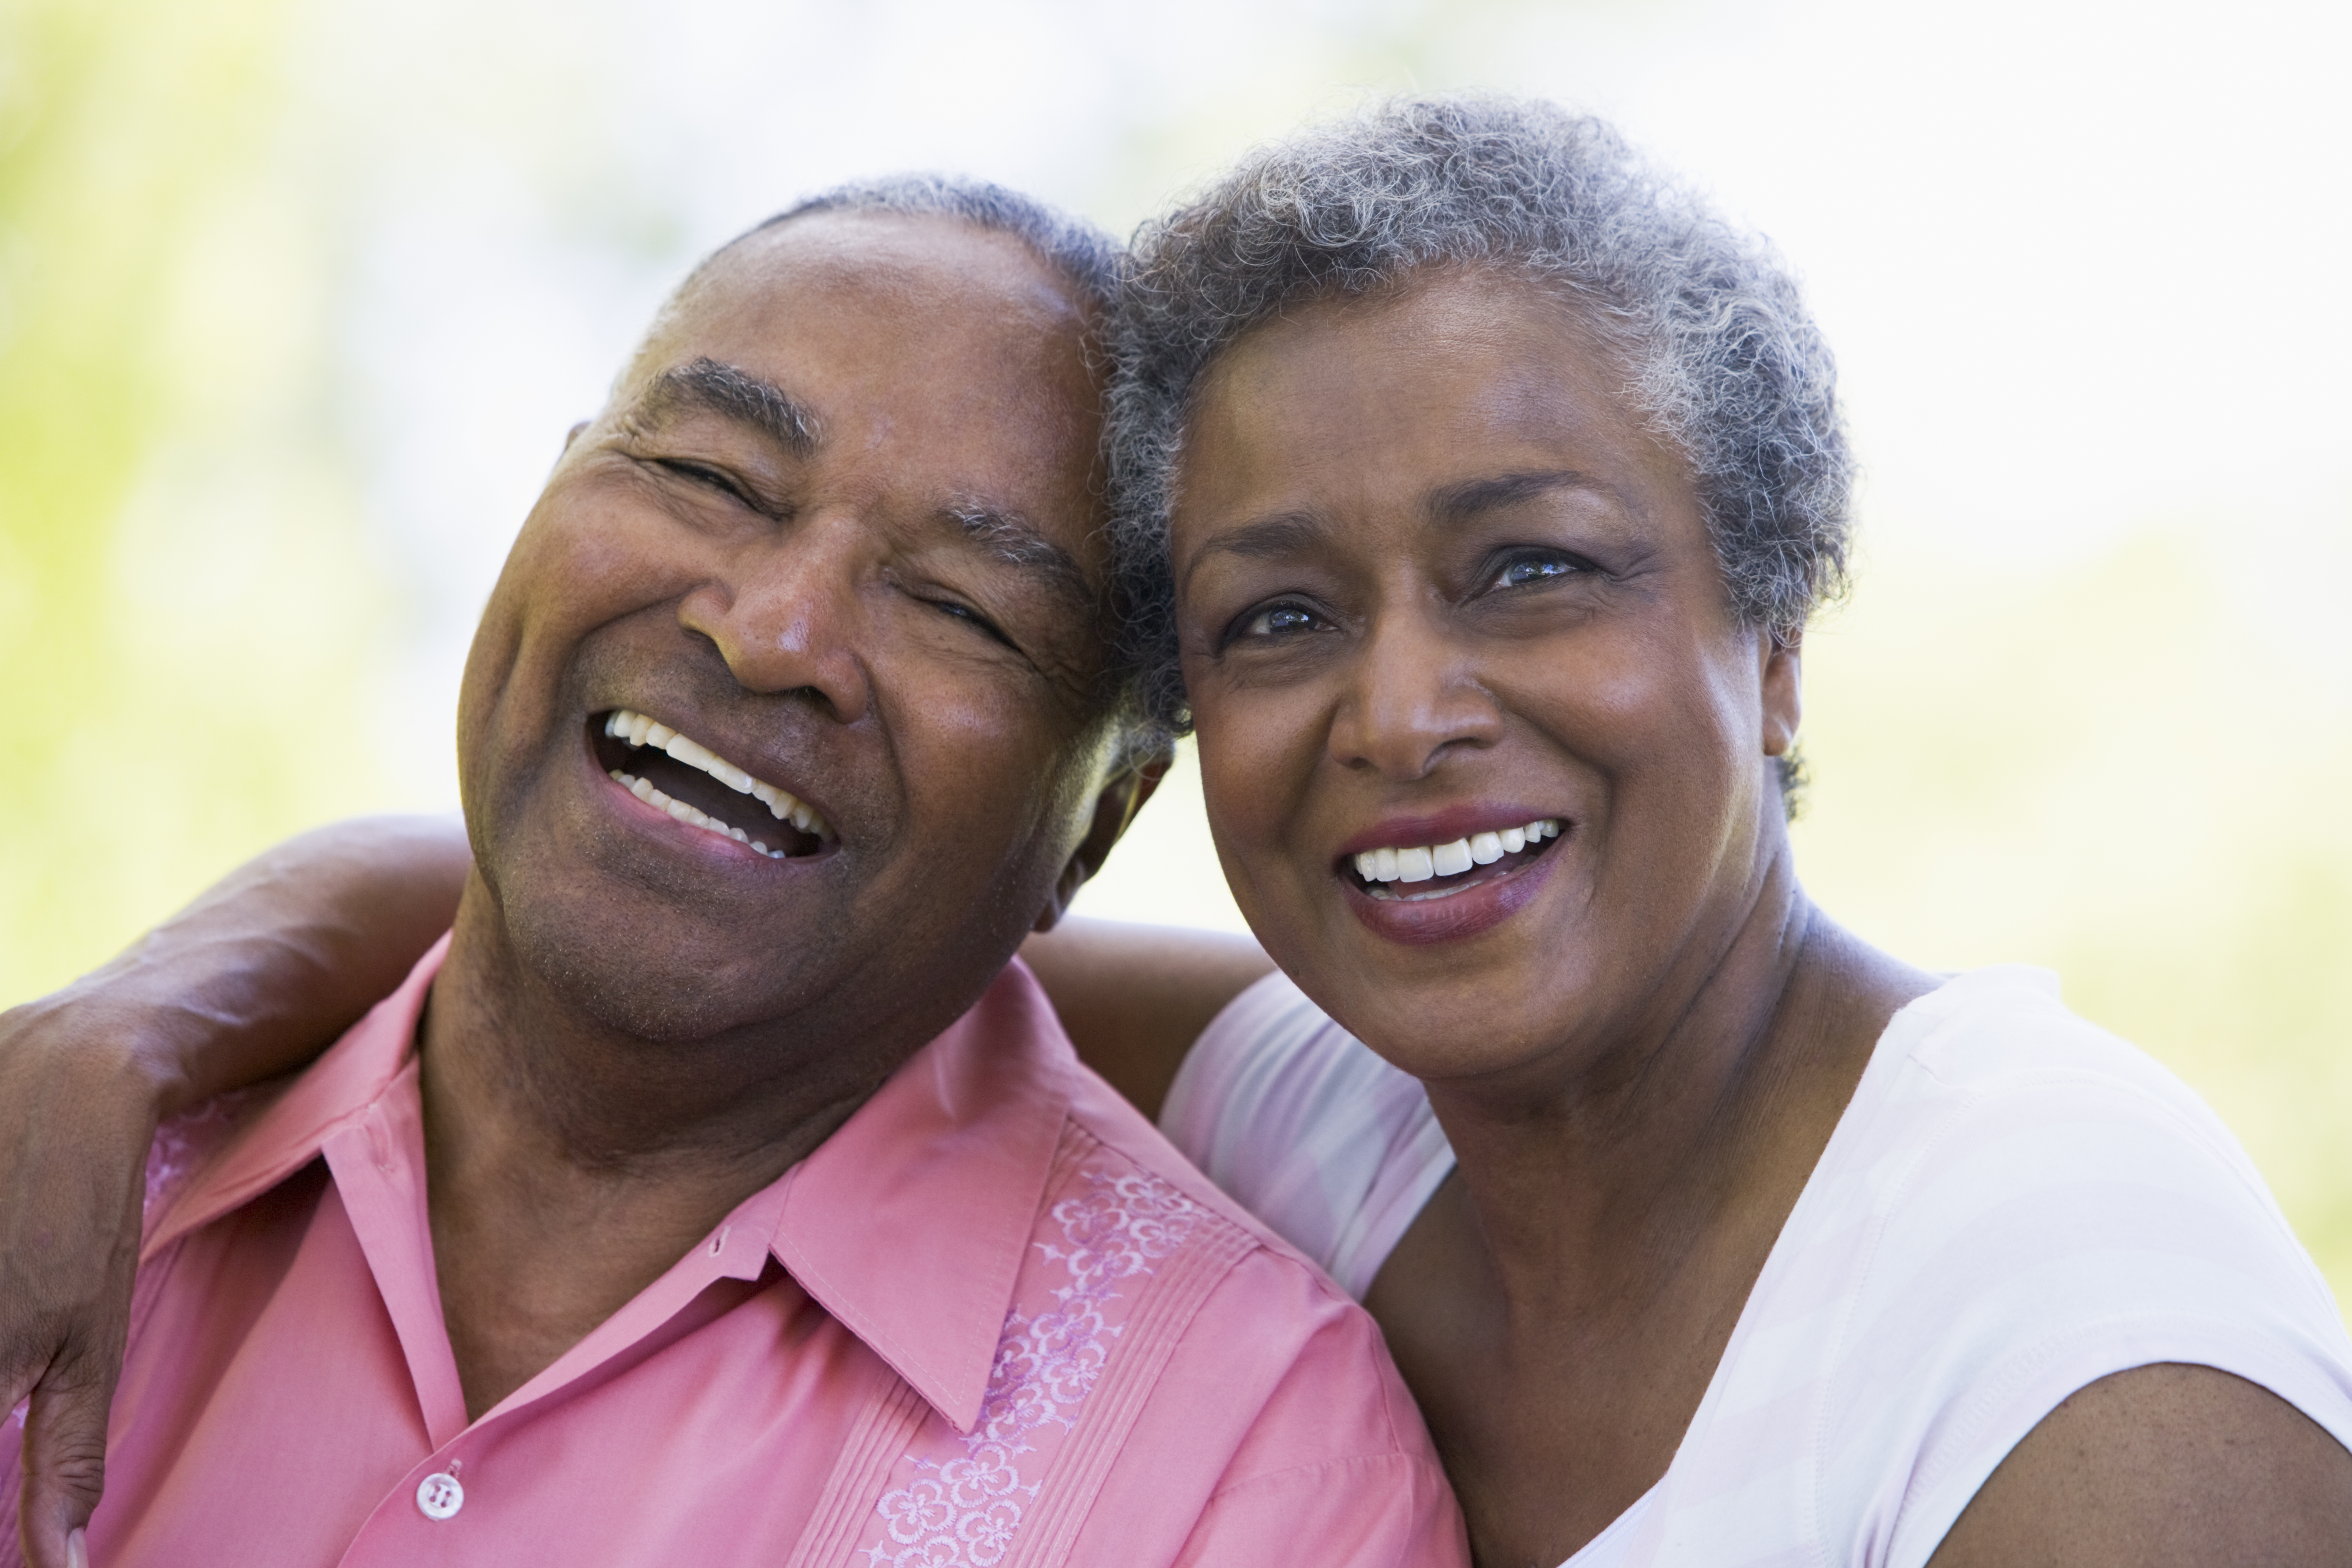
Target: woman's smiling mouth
[(1455, 888), (1451, 867)]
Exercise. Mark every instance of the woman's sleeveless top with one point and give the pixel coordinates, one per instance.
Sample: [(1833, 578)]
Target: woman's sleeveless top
[(2014, 1204)]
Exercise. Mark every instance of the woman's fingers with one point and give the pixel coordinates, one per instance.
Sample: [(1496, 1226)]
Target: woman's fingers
[(75, 1126), (74, 1339), (65, 1457)]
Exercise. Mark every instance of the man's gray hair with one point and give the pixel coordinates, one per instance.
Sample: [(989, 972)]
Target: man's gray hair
[(1719, 351), (1073, 247)]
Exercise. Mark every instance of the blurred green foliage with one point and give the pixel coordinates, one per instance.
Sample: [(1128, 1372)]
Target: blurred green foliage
[(2131, 770), (181, 633)]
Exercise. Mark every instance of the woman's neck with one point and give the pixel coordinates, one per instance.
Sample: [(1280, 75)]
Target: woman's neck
[(1649, 1131), (1560, 1307)]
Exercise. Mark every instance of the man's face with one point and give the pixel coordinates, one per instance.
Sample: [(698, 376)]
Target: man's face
[(838, 530)]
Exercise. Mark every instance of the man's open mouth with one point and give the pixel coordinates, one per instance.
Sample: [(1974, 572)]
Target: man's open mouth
[(695, 784), (1413, 873)]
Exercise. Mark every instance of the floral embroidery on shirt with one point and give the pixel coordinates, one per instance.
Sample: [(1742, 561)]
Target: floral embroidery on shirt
[(186, 1143), (964, 1512)]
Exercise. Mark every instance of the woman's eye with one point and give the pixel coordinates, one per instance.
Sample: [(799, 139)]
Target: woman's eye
[(1527, 569), (1279, 620)]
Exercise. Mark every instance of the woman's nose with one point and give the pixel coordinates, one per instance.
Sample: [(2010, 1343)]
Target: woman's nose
[(789, 613), (1412, 697)]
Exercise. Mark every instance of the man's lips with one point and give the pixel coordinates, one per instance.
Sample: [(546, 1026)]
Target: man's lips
[(694, 785)]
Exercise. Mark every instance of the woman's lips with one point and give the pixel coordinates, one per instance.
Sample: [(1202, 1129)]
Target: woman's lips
[(1444, 907), (1411, 862)]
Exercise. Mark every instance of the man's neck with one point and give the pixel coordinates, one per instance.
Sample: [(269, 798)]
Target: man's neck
[(569, 1166)]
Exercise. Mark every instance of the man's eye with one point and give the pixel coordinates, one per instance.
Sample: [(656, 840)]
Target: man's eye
[(701, 474), (1279, 620), (971, 617)]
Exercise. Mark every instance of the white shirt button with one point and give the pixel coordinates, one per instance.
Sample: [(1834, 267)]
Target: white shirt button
[(439, 1497)]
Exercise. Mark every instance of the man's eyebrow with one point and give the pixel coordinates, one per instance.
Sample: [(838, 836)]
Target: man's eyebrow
[(708, 385), (1460, 502), (1012, 538)]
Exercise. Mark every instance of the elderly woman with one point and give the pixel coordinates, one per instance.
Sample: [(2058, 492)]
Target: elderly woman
[(1477, 487)]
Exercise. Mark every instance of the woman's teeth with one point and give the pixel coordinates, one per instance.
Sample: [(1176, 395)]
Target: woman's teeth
[(639, 732), (1451, 860)]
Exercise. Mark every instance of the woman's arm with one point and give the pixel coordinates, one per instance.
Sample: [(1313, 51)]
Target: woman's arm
[(1135, 998), (252, 979), (2163, 1465)]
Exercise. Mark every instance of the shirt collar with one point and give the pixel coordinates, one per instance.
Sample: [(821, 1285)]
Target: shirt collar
[(909, 1224), (288, 1132)]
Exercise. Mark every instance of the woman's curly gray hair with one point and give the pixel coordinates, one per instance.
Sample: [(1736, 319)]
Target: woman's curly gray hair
[(1717, 347)]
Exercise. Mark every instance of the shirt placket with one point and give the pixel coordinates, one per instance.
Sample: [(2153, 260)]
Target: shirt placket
[(377, 1163)]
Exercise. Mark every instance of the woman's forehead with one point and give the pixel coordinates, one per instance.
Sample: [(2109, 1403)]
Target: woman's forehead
[(1455, 367)]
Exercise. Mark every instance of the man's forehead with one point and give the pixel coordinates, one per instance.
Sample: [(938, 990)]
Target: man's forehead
[(893, 262), (954, 350), (913, 316)]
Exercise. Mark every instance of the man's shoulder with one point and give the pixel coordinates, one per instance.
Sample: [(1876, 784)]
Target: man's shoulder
[(1252, 1306), (1271, 1394), (1105, 1129)]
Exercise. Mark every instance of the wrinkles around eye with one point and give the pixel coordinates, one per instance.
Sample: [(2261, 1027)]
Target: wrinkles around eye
[(709, 478)]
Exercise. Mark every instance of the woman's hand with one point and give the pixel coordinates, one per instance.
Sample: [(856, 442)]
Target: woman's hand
[(248, 983), (77, 1108)]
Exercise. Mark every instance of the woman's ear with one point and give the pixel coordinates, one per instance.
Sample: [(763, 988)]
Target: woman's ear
[(1122, 796), (1782, 675)]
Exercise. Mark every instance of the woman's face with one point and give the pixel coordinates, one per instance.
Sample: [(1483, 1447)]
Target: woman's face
[(1435, 581)]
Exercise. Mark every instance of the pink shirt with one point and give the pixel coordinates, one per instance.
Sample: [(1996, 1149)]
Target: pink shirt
[(995, 1320)]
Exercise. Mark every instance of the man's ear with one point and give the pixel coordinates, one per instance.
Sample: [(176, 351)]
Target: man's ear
[(1120, 799), (1783, 672)]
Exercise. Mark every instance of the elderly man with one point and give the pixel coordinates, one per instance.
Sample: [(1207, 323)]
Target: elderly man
[(716, 1193)]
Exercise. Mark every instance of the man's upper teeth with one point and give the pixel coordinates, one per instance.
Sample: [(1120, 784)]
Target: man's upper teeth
[(1419, 865), (639, 731)]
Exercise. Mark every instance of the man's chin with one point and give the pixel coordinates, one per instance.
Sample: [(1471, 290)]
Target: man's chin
[(667, 982)]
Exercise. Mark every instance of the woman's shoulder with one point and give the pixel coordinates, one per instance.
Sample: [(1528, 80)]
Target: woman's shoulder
[(1306, 1126), (2018, 1204), (2007, 1030), (1991, 1090), (2003, 1148)]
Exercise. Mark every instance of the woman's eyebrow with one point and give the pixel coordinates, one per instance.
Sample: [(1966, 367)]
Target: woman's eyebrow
[(1461, 501), (1272, 538)]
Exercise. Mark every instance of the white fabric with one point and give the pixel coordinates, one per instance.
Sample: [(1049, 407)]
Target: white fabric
[(1332, 1146), (2014, 1204)]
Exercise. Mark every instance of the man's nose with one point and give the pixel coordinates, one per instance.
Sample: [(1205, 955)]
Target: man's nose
[(1413, 697), (787, 613)]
